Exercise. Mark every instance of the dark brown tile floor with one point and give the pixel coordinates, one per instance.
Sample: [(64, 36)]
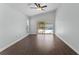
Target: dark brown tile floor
[(39, 45)]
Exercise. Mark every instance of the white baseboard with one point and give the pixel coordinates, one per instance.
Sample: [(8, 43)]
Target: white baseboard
[(67, 43), (1, 49)]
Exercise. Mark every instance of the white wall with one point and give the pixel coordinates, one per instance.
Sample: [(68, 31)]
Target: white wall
[(67, 24), (48, 17), (12, 25)]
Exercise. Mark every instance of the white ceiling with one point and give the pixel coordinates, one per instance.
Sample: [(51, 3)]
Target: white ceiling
[(25, 8)]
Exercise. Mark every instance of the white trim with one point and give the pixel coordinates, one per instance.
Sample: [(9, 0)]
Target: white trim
[(67, 43), (1, 49)]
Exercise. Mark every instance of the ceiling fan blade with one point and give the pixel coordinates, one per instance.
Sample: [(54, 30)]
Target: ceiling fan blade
[(43, 9), (39, 5), (36, 4), (44, 6)]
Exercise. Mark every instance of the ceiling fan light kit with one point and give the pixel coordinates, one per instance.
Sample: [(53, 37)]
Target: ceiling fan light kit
[(39, 7)]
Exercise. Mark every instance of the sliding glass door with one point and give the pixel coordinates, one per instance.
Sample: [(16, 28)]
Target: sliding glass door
[(44, 27)]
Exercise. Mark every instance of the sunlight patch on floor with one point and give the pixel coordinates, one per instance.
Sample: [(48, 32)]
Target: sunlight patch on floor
[(45, 42)]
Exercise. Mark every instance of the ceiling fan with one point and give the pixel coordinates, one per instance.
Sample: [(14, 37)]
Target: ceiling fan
[(38, 6)]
